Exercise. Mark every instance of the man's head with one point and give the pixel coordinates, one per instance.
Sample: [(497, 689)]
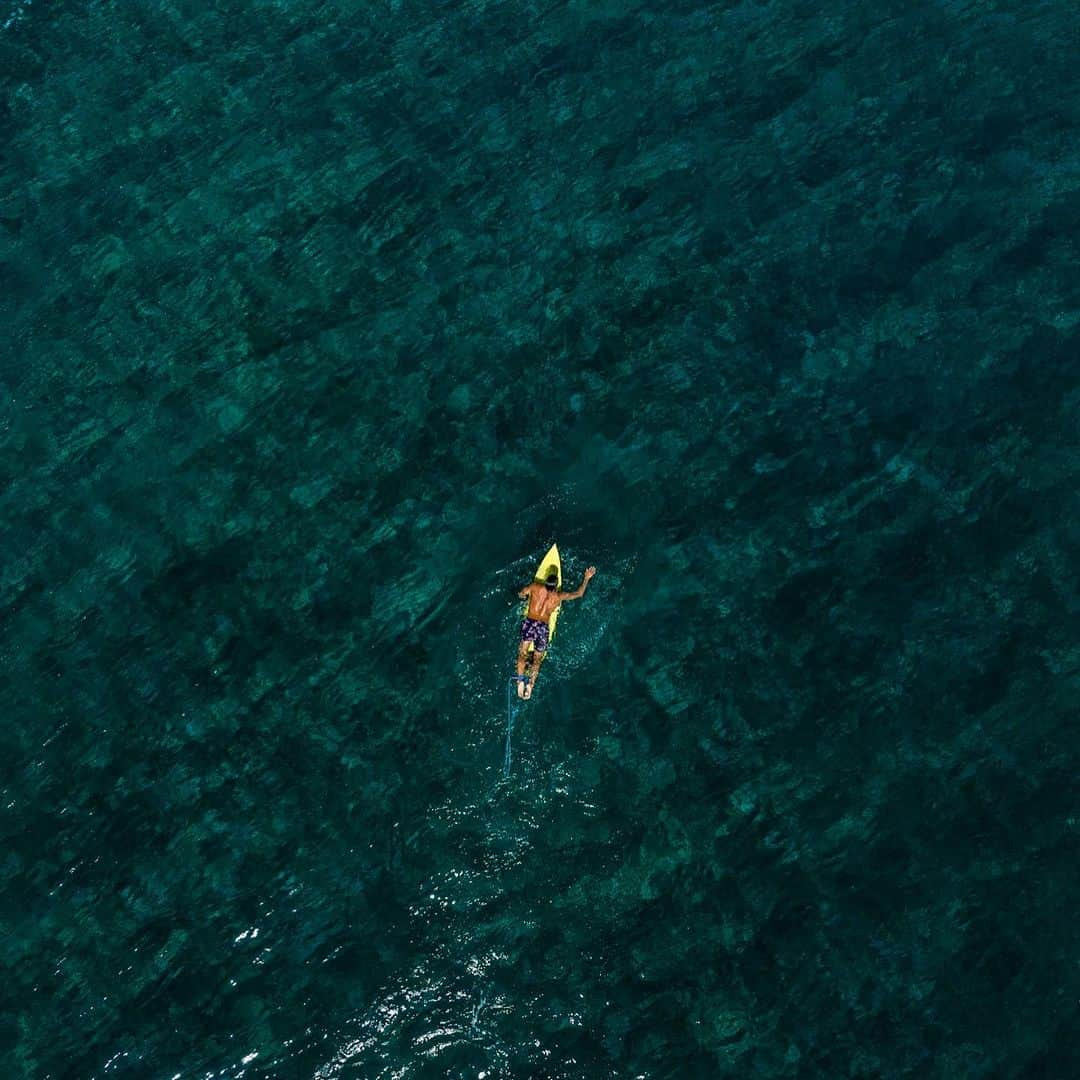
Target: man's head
[(552, 580)]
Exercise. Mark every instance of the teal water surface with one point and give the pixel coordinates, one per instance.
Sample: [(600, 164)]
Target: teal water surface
[(321, 321)]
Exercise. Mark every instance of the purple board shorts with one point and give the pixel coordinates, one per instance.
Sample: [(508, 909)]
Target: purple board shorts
[(537, 632)]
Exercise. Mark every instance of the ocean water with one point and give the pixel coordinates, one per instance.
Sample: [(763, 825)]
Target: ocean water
[(321, 321)]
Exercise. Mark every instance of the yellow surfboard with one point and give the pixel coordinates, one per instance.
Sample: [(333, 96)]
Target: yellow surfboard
[(550, 561)]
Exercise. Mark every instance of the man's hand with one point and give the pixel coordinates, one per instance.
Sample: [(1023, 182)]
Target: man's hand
[(590, 573)]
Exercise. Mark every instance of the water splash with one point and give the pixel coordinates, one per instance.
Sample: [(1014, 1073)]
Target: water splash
[(14, 14)]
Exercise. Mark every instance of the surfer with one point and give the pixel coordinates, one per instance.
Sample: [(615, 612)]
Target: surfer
[(544, 599)]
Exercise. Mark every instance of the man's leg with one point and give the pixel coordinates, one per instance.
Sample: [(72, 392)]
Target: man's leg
[(522, 659), (538, 659)]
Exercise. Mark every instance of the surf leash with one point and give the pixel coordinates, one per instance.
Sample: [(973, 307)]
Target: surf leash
[(510, 714)]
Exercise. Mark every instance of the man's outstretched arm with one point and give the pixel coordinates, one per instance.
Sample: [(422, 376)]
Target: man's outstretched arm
[(524, 593), (580, 590)]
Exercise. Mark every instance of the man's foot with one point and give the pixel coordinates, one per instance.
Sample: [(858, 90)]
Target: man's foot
[(521, 686), (529, 688)]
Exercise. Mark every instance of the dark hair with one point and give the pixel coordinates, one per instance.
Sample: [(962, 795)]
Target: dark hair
[(552, 579)]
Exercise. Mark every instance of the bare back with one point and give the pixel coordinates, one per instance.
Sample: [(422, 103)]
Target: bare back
[(543, 602)]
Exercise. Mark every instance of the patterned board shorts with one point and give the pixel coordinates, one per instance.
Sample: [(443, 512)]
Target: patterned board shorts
[(537, 632)]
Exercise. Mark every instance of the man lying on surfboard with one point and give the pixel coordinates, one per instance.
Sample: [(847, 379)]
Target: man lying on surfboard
[(544, 599)]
